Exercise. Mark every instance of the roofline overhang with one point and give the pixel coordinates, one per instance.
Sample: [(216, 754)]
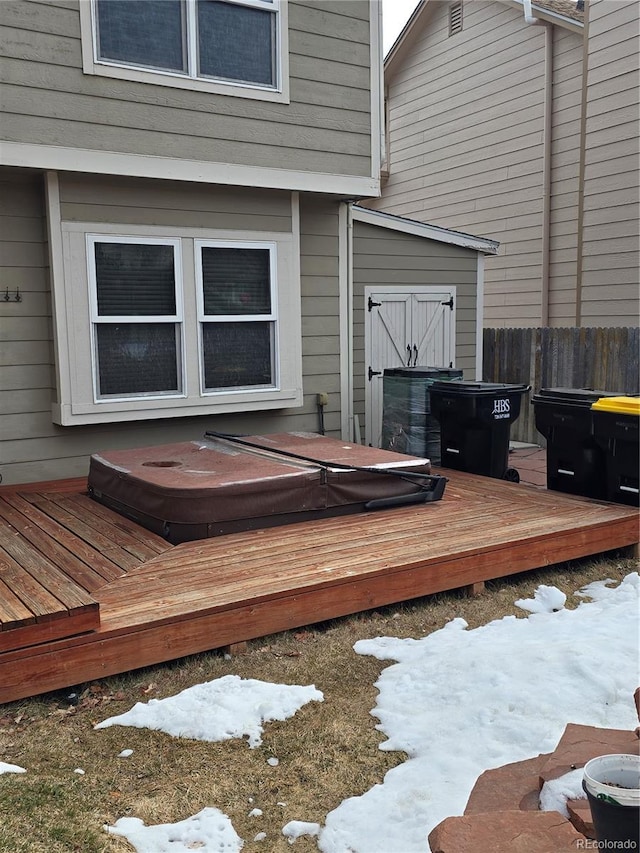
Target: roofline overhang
[(379, 218)]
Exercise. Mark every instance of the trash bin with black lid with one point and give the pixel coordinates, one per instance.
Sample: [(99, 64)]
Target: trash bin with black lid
[(475, 423), (575, 461), (407, 423), (616, 422)]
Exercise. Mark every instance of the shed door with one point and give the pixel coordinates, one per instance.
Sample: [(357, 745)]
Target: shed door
[(404, 328)]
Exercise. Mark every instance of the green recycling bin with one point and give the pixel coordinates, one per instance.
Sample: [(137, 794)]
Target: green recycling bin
[(407, 423), (475, 423)]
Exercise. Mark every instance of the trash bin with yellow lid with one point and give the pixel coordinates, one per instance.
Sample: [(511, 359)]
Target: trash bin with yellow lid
[(616, 423)]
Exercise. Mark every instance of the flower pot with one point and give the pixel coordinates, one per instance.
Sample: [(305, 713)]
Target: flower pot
[(612, 786)]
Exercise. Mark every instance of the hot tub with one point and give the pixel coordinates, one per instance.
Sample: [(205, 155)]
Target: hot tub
[(197, 489)]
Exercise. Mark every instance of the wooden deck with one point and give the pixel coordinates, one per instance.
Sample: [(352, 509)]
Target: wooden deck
[(85, 593)]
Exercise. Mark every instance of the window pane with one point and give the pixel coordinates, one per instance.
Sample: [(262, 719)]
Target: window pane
[(236, 281), (137, 358), (149, 33), (236, 42), (237, 355), (135, 279)]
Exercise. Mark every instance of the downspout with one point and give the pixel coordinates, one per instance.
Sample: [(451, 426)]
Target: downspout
[(528, 14), (546, 174), (547, 128), (479, 316), (345, 278), (582, 165)]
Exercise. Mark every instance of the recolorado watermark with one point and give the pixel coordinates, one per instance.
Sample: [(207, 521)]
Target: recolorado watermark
[(592, 844)]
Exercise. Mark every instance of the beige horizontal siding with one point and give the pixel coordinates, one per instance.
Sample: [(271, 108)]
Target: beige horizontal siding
[(610, 279), (26, 374), (466, 122), (32, 447), (85, 198), (47, 99)]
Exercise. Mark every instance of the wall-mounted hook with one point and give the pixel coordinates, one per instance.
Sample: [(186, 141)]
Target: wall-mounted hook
[(18, 296), (6, 295)]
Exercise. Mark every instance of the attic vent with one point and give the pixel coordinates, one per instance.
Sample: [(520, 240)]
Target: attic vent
[(455, 18)]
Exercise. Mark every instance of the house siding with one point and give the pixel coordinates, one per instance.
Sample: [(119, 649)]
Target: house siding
[(466, 150), (32, 447), (382, 257), (326, 128), (611, 229)]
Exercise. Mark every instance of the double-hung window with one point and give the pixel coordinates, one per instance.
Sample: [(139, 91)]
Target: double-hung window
[(232, 46), (135, 296), (237, 315), (155, 323)]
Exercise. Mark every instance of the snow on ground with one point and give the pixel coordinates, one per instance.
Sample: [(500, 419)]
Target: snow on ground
[(11, 768), (229, 707), (458, 702), (209, 831)]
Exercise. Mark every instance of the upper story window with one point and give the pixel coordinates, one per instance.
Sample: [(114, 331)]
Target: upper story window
[(236, 47)]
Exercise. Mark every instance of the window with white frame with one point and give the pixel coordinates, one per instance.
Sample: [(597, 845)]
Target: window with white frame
[(191, 323), (136, 316), (236, 314), (194, 43)]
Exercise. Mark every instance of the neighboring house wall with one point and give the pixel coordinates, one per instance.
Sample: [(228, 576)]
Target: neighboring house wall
[(391, 259), (34, 448), (49, 101), (611, 235), (466, 119), (467, 143)]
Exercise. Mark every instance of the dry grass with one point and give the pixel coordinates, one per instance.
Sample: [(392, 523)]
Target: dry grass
[(327, 752)]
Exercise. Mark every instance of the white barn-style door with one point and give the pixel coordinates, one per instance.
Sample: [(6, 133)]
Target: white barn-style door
[(412, 326)]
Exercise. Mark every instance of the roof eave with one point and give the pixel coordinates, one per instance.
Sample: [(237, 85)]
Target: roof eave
[(484, 245)]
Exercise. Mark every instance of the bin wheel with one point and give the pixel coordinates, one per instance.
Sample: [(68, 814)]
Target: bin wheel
[(511, 475)]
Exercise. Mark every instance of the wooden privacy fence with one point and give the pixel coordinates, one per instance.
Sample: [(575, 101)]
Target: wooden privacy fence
[(605, 359)]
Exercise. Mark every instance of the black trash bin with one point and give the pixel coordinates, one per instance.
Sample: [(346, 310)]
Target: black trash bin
[(616, 422), (575, 461), (407, 423), (475, 422)]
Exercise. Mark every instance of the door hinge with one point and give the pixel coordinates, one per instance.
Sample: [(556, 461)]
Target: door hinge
[(449, 303), (373, 373), (371, 304)]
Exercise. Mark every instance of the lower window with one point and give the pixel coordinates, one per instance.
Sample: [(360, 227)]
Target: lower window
[(178, 325)]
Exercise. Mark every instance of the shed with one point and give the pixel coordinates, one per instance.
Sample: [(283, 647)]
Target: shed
[(416, 298)]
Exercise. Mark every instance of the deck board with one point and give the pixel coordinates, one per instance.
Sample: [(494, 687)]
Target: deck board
[(54, 554), (172, 601)]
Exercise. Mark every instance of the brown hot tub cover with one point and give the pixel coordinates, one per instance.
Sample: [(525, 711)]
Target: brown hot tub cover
[(197, 489)]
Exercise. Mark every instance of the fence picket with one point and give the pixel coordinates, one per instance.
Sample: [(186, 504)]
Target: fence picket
[(606, 359)]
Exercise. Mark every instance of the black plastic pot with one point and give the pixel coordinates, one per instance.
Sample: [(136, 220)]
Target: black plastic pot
[(616, 827)]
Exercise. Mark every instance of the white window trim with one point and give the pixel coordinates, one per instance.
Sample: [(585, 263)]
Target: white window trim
[(96, 318), (278, 94), (271, 317), (73, 339)]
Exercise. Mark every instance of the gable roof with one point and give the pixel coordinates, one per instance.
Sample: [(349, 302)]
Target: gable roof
[(564, 13), (422, 229)]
